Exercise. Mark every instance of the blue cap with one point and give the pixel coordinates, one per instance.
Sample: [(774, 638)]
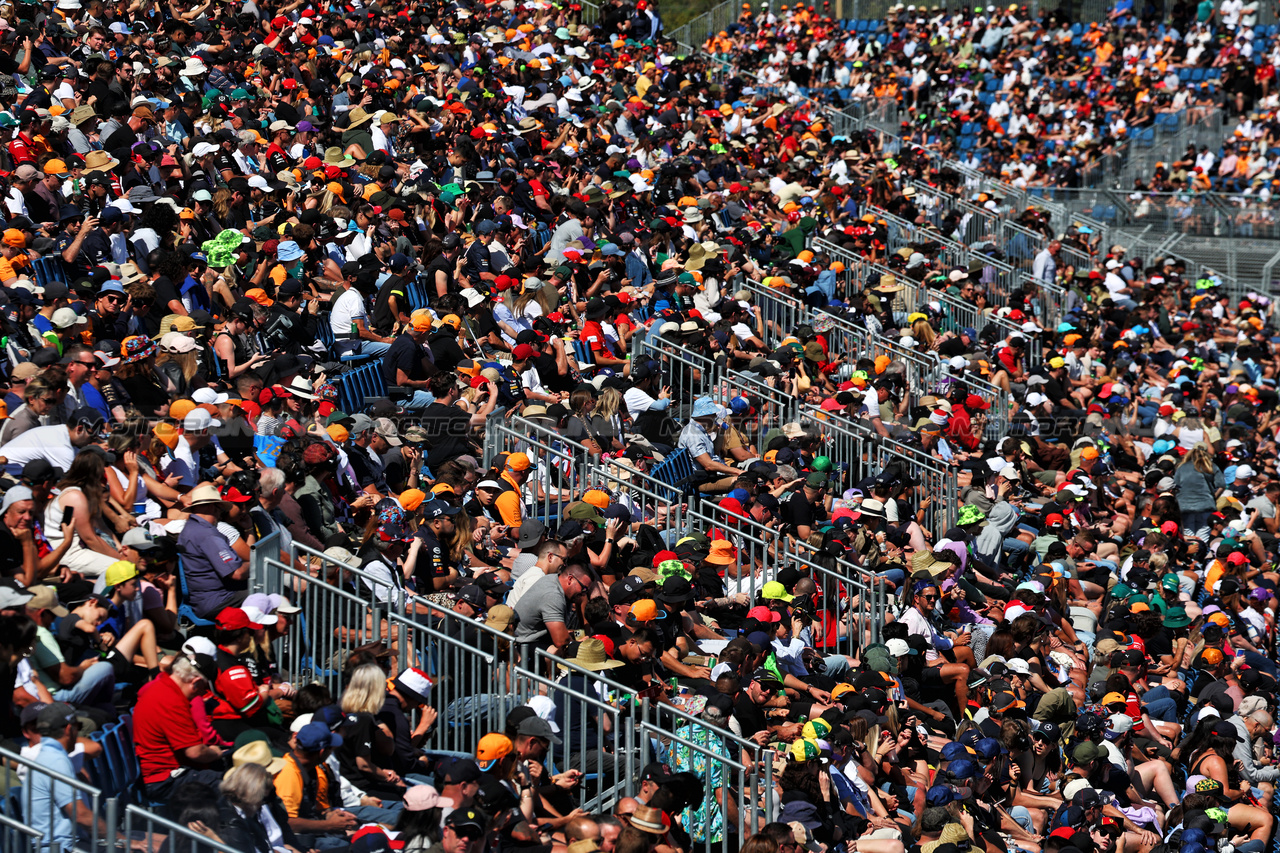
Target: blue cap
[(330, 715), (940, 795), (740, 406), (1140, 330), (740, 495), (200, 256), (436, 508), (111, 286), (737, 105), (610, 250), (988, 748), (965, 768), (1066, 326), (316, 736), (1194, 836), (969, 332), (955, 752), (488, 226), (1162, 445), (398, 262)]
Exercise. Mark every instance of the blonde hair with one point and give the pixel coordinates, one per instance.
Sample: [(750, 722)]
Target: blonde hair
[(1200, 457), (609, 404), (366, 691), (246, 785)]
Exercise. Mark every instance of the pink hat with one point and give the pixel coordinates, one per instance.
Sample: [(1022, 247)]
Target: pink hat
[(419, 798)]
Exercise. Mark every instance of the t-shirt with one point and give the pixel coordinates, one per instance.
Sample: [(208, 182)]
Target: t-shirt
[(544, 602), (447, 429), (405, 354), (798, 511), (51, 442), (347, 308), (162, 727)]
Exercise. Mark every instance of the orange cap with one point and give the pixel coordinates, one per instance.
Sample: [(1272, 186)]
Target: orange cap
[(518, 462), (167, 433), (411, 499), (179, 409), (597, 499), (493, 747)]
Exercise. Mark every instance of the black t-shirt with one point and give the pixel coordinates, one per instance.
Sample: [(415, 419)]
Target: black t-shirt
[(121, 139), (10, 553), (797, 510), (448, 429), (433, 562), (404, 757), (367, 467), (405, 354), (750, 716), (166, 292), (383, 319), (445, 351), (76, 645)]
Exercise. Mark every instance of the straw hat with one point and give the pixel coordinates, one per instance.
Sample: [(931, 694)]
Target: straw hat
[(256, 752), (591, 656), (206, 494), (650, 820)]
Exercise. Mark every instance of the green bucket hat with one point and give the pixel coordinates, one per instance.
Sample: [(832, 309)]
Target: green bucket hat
[(1176, 617), (970, 514), (668, 569), (221, 250)]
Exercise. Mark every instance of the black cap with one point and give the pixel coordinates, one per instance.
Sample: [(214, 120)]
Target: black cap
[(88, 417), (676, 590), (655, 772), (455, 770), (41, 471), (626, 590)]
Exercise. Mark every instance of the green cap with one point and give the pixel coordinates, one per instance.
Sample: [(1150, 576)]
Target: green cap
[(686, 278), (816, 480), (822, 463), (1169, 581)]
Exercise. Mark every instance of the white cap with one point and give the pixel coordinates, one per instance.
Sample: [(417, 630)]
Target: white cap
[(1035, 398), (259, 183), (898, 648), (209, 396), (1019, 666), (1010, 473), (198, 420)]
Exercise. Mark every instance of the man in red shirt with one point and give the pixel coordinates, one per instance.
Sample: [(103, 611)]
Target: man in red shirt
[(960, 428), (170, 750), (602, 350), (241, 700)]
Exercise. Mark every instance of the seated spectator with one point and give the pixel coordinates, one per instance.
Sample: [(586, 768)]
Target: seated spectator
[(216, 575), (171, 749)]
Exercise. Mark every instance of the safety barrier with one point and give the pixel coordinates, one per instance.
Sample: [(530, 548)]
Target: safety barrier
[(559, 463), (850, 606), (17, 837), (689, 374), (145, 830), (31, 819), (343, 607), (736, 776), (780, 312), (850, 439)]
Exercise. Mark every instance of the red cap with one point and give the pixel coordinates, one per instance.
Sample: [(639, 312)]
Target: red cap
[(733, 506), (1054, 518), (1235, 558), (312, 163), (831, 405), (662, 557), (523, 352), (973, 401), (234, 619), (764, 614), (235, 496), (1170, 527)]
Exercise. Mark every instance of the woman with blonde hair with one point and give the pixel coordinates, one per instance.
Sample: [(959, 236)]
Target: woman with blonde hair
[(606, 422), (1199, 481), (251, 812), (363, 736), (923, 332)]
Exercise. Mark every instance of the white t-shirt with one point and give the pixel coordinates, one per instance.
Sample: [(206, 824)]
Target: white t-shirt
[(347, 308), (50, 442)]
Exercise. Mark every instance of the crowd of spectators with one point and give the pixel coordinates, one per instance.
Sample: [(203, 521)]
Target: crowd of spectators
[(301, 280)]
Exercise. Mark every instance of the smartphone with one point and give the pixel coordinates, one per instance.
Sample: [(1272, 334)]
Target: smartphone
[(67, 515)]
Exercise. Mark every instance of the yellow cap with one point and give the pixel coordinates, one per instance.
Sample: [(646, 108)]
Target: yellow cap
[(119, 572)]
